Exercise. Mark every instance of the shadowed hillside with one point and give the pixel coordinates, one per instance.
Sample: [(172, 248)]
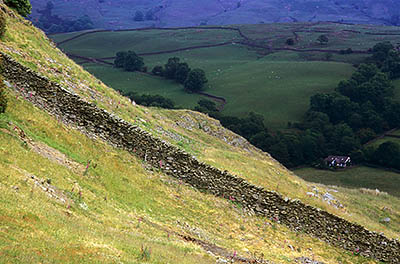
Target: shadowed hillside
[(117, 14)]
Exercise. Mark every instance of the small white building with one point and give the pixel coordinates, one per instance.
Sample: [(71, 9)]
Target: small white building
[(338, 161)]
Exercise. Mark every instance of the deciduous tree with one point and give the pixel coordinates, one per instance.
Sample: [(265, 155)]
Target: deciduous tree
[(196, 80)]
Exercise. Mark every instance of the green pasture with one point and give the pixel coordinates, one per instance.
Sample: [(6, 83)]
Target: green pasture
[(277, 85), (280, 90), (357, 177), (107, 44), (63, 36), (143, 84), (340, 36)]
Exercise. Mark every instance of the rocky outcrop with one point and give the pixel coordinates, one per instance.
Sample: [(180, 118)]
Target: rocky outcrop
[(99, 123)]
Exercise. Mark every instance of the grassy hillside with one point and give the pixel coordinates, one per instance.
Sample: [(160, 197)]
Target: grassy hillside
[(252, 65), (122, 211)]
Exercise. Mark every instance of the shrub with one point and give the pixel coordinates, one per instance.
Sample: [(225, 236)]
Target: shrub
[(129, 61), (3, 98), (323, 39), (23, 7), (158, 70), (196, 80), (151, 100), (290, 42), (145, 253)]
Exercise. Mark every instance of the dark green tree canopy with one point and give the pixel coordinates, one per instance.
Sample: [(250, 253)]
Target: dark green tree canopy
[(133, 62), (171, 67), (151, 100), (182, 72), (209, 105), (387, 58), (381, 50), (129, 61), (23, 7), (196, 80), (323, 39), (388, 154), (158, 70), (290, 41)]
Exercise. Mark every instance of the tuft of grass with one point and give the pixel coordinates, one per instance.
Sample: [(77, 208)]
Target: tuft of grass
[(145, 253)]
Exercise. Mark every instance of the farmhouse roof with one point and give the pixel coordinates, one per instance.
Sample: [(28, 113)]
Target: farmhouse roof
[(338, 159)]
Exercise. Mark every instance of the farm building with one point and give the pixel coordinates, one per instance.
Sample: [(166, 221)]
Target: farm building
[(338, 161)]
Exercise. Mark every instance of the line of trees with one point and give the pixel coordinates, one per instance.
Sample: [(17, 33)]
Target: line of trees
[(193, 80), (151, 100), (129, 61)]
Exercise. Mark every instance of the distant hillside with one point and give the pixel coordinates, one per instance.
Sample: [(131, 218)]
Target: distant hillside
[(117, 14)]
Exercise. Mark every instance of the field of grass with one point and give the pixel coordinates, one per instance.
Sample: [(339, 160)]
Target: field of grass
[(122, 212), (143, 41), (358, 177), (340, 36), (247, 84), (251, 79), (143, 84)]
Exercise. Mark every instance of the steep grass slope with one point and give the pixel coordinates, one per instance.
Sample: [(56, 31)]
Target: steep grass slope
[(54, 210)]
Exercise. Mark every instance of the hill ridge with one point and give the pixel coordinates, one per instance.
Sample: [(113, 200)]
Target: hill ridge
[(120, 13), (98, 123)]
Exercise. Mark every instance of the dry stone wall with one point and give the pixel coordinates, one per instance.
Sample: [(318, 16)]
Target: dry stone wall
[(99, 123)]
